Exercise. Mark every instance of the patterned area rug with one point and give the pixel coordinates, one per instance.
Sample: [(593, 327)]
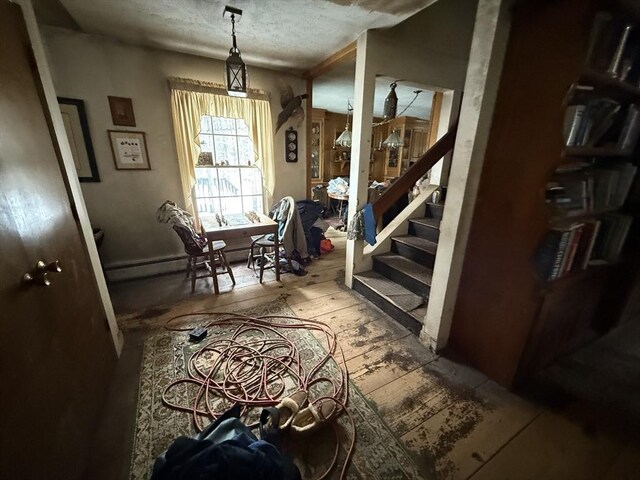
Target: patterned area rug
[(378, 454)]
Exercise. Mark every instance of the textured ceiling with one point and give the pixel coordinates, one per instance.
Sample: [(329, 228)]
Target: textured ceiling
[(280, 34), (332, 90)]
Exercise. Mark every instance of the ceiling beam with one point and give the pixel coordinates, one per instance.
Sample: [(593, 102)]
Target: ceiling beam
[(345, 54)]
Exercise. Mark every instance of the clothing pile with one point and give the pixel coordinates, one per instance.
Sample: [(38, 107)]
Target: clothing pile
[(338, 186), (313, 224), (226, 449)]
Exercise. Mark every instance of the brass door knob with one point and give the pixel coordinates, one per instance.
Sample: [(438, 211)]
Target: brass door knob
[(40, 275)]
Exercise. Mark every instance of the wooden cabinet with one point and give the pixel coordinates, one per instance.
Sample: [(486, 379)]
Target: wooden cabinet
[(419, 142), (415, 135), (317, 147), (329, 161)]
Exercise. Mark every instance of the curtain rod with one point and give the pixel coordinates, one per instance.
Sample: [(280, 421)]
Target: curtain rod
[(178, 83)]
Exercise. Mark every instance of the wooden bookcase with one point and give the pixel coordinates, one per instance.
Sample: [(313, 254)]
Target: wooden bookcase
[(508, 321)]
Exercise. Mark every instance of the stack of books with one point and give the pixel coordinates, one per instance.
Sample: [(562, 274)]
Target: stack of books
[(585, 190), (573, 247), (590, 125)]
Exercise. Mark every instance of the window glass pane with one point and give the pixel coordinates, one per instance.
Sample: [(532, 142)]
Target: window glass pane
[(224, 126), (207, 182), (246, 155), (231, 205), (205, 124), (226, 150), (242, 127), (206, 143), (253, 203), (251, 181), (229, 182), (208, 205)]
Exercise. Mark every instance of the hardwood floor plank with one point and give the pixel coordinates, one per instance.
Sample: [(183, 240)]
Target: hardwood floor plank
[(325, 304), (350, 317), (415, 397), (456, 441), (553, 447), (368, 336), (299, 295), (384, 364), (314, 277)]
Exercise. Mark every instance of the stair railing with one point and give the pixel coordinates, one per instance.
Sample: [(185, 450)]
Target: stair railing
[(406, 181)]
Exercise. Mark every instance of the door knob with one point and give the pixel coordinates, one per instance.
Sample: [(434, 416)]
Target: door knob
[(40, 275), (54, 266)]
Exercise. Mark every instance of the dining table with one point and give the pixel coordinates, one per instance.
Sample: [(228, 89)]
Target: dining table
[(238, 227)]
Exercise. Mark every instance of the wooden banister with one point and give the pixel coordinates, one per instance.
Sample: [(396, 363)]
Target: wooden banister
[(406, 182)]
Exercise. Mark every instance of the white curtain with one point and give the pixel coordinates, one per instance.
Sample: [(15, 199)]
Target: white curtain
[(190, 100)]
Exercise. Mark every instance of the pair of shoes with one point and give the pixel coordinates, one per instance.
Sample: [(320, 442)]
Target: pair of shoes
[(295, 414)]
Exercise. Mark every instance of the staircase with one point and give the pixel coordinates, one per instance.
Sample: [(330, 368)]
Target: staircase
[(400, 280)]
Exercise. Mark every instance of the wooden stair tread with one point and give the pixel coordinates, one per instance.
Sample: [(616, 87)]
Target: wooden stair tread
[(408, 267), (419, 313), (427, 222), (417, 242), (391, 291)]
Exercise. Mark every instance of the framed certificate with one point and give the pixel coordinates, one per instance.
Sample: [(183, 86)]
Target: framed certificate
[(129, 150)]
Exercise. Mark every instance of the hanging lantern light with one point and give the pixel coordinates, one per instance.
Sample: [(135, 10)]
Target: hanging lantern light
[(344, 140), (390, 103), (236, 70), (393, 140)]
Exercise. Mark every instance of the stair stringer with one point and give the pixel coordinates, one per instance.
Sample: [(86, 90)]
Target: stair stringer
[(398, 226)]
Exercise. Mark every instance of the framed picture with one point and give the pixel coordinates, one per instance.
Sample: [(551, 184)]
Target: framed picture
[(122, 111), (129, 150), (75, 123)]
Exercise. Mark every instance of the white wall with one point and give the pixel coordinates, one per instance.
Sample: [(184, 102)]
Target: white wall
[(123, 203), (431, 47)]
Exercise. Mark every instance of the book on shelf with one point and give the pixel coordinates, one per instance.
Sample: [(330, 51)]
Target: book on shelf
[(630, 129), (587, 124), (597, 188), (573, 247), (614, 48), (572, 121)]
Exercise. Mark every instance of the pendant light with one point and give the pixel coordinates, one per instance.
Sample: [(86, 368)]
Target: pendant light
[(344, 140), (390, 103), (236, 70), (393, 140)]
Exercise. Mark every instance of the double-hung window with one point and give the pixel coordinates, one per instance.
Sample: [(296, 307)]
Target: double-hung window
[(227, 179)]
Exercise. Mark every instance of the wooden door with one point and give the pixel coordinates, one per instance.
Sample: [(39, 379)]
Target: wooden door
[(418, 144), (56, 356)]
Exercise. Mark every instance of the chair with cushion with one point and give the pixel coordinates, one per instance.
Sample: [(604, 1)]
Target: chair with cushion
[(195, 246)]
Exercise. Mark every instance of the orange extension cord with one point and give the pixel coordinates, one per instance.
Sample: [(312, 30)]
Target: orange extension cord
[(245, 371)]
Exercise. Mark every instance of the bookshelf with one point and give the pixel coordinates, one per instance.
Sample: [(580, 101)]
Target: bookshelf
[(594, 152), (511, 319)]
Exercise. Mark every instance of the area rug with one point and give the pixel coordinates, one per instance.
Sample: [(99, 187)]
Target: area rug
[(378, 454)]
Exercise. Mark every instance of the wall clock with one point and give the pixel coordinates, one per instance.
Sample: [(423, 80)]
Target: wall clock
[(291, 145)]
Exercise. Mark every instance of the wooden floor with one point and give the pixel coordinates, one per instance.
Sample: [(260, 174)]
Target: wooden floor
[(459, 424)]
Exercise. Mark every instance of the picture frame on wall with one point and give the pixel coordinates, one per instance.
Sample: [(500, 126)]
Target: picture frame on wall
[(122, 111), (74, 117), (129, 150)]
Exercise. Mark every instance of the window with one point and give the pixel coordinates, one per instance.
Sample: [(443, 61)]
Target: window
[(227, 180)]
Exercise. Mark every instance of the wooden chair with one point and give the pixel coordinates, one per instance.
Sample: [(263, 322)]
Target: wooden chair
[(195, 246), (266, 260)]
